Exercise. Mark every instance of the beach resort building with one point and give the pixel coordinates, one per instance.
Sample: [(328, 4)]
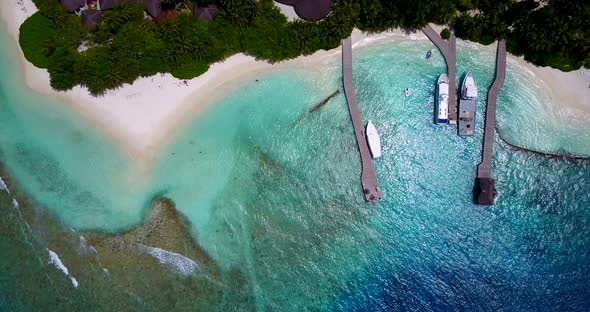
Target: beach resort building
[(310, 10)]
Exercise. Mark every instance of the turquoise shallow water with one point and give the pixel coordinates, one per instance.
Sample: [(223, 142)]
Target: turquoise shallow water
[(274, 192)]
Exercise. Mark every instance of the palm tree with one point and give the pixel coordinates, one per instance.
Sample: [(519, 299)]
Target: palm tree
[(170, 29), (183, 45), (339, 25), (201, 48), (370, 13), (538, 42), (172, 57), (349, 8), (49, 46), (559, 30), (229, 5), (447, 12), (496, 25), (393, 18), (82, 69), (306, 36), (417, 9), (239, 12), (135, 44), (471, 26), (114, 76)]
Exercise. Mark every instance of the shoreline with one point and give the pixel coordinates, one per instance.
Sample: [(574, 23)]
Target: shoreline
[(144, 124), (146, 115)]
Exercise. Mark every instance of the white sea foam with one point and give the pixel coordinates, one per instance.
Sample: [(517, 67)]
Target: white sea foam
[(176, 262), (83, 245), (56, 261), (3, 186)]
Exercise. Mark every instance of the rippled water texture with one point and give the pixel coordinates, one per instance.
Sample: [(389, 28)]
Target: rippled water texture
[(274, 192)]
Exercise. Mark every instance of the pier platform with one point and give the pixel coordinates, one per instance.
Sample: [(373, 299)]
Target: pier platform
[(485, 185), (368, 175)]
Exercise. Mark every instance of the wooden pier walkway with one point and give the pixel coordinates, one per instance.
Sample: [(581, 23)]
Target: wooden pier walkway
[(449, 52), (368, 176), (485, 186)]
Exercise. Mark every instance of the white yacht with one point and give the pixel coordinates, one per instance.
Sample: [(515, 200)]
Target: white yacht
[(373, 140), (467, 106), (441, 102), (408, 91)]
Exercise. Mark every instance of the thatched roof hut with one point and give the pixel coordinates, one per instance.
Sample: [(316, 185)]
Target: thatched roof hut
[(153, 7), (91, 18), (205, 12), (107, 4), (72, 5), (310, 10)]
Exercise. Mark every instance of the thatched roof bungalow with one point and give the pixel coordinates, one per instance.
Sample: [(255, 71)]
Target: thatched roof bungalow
[(153, 7), (205, 12), (91, 18), (107, 4), (310, 10), (72, 5)]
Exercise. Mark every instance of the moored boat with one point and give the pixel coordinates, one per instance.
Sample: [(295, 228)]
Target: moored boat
[(373, 140), (441, 102), (467, 106), (408, 91)]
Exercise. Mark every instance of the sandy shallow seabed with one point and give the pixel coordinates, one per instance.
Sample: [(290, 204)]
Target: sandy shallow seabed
[(143, 116)]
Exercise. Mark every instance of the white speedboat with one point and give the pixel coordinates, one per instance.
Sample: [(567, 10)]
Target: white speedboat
[(441, 103), (467, 106), (373, 140), (469, 89), (408, 91)]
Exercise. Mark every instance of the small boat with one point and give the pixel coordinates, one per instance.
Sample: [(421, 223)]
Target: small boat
[(441, 102), (428, 54), (467, 106), (408, 91), (373, 140)]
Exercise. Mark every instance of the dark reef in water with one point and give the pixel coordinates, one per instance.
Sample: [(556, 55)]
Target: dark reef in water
[(563, 156), (324, 102), (114, 271)]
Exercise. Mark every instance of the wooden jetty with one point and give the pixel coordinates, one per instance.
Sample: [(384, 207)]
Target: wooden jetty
[(485, 185), (368, 176), (449, 52)]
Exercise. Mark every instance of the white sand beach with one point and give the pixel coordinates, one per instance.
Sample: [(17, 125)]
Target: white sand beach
[(146, 114)]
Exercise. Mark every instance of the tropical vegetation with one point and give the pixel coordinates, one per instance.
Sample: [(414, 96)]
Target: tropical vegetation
[(445, 34), (126, 45)]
